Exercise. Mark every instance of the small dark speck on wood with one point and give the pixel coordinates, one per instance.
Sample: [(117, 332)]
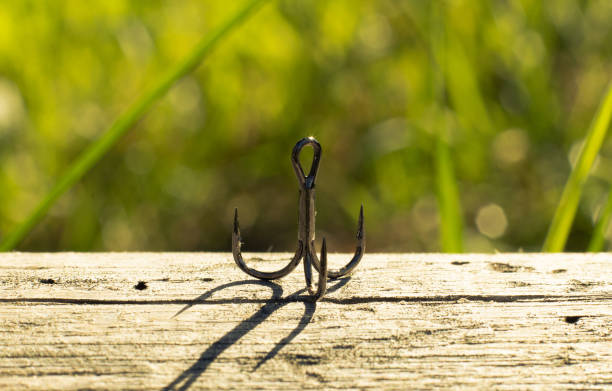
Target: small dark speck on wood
[(140, 286), (572, 319), (49, 281), (459, 263), (507, 268), (504, 267)]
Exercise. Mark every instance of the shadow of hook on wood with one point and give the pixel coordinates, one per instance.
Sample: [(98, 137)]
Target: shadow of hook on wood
[(186, 379)]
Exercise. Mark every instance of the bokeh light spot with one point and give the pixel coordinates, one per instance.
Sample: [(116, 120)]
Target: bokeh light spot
[(11, 105), (510, 146), (491, 221)]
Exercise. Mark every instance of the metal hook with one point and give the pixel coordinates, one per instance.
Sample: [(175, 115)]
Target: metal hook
[(306, 232)]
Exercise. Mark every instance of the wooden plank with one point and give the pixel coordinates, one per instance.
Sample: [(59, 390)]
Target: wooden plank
[(505, 321)]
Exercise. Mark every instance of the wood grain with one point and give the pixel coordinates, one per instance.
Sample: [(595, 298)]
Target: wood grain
[(403, 321)]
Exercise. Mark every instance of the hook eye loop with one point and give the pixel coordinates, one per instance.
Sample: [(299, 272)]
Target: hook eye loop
[(306, 182)]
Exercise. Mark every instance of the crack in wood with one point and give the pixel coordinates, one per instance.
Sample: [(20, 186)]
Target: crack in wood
[(461, 299)]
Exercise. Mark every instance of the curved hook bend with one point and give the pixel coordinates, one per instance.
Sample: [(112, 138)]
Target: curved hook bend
[(236, 243)]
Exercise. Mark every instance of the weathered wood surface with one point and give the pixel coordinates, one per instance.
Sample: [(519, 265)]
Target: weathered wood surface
[(74, 321)]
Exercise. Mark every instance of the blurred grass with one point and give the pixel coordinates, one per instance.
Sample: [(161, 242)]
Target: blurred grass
[(449, 204), (520, 83), (566, 210), (598, 239), (98, 149), (451, 225)]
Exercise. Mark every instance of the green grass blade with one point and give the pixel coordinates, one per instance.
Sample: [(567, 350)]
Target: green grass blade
[(86, 160), (451, 223), (449, 204), (464, 91), (566, 210), (598, 239)]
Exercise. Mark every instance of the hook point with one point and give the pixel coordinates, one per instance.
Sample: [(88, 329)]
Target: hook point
[(324, 257), (360, 224), (236, 224)]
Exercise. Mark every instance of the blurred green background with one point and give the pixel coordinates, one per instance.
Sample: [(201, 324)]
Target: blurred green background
[(511, 86)]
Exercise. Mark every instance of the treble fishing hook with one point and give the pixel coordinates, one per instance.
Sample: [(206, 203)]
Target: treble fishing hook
[(306, 232)]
